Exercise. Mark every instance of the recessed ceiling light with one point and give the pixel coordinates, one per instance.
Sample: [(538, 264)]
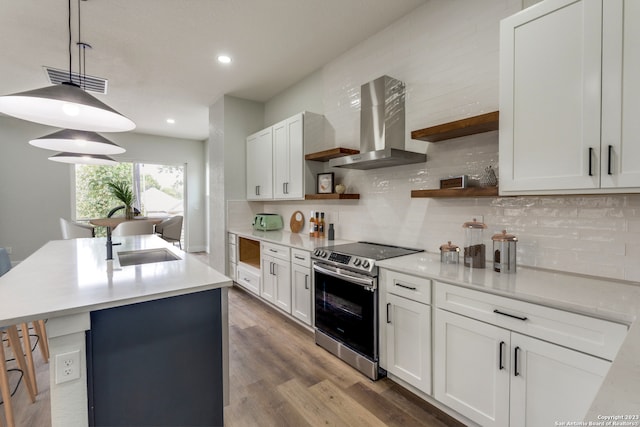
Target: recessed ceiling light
[(224, 59), (171, 121)]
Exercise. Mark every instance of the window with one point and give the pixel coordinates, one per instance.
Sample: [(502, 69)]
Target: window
[(159, 189)]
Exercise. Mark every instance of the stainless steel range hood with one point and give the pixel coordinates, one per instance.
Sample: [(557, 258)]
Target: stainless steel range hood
[(382, 129)]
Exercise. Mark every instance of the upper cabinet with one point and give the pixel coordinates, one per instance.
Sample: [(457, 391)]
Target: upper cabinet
[(260, 165), (565, 126), (275, 159)]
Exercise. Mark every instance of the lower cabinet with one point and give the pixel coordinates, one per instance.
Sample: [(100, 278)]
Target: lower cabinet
[(276, 276), (497, 377), (408, 325), (301, 286), (405, 328)]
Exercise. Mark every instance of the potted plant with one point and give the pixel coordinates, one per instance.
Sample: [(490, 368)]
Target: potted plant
[(122, 191)]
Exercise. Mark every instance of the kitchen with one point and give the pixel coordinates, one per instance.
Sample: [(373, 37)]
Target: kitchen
[(592, 235)]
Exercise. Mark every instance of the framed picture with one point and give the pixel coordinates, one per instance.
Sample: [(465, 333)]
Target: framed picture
[(325, 183)]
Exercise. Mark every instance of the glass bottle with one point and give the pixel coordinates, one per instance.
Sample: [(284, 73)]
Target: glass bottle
[(474, 247)]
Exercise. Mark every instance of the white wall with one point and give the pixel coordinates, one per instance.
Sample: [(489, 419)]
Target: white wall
[(447, 53), (35, 192), (231, 120)]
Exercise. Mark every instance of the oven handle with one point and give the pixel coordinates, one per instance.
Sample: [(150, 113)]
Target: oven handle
[(340, 274)]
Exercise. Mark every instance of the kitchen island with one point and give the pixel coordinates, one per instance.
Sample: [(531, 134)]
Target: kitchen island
[(70, 283)]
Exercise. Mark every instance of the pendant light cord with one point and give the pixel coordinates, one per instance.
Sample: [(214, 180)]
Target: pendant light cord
[(70, 75)]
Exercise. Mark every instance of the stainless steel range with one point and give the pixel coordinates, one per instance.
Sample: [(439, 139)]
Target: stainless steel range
[(346, 301)]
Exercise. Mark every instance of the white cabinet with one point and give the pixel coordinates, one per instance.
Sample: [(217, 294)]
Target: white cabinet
[(260, 165), (489, 370), (248, 277), (232, 258), (469, 374), (405, 342), (288, 159), (276, 275), (552, 382), (565, 126), (276, 169), (301, 286)]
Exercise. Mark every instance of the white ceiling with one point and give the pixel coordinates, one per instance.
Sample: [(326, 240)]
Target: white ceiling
[(159, 56)]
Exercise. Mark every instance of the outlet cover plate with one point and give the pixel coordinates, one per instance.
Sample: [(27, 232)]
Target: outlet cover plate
[(67, 366)]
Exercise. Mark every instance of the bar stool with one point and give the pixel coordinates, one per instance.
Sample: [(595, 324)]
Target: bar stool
[(5, 391)]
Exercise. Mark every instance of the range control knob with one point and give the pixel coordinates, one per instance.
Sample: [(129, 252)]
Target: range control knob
[(357, 262), (320, 253), (365, 264)]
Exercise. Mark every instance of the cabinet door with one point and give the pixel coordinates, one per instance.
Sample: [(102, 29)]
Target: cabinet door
[(550, 74), (301, 293), (282, 276), (288, 158), (471, 368), (408, 337), (267, 285), (550, 383), (295, 134), (260, 165), (281, 155), (621, 94)]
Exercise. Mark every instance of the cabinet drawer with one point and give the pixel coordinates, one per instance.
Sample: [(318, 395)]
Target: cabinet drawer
[(248, 277), (231, 238), (276, 251), (302, 258), (405, 285), (599, 337)]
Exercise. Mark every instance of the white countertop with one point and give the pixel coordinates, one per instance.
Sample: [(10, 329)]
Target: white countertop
[(72, 276), (607, 299), (295, 240)]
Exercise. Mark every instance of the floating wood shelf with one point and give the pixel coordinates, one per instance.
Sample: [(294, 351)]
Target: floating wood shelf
[(326, 155), (469, 126), (333, 196), (457, 192)]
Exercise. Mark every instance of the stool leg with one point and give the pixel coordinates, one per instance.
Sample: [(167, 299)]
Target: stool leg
[(4, 388), (14, 340), (29, 356), (43, 341)]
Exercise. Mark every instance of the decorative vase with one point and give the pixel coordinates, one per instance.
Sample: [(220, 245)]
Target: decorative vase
[(489, 178), (340, 189), (128, 212)]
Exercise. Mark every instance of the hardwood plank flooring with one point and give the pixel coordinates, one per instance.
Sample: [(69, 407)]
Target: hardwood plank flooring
[(279, 377)]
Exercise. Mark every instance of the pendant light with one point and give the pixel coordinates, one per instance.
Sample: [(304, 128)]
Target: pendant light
[(77, 141), (85, 159), (66, 106)]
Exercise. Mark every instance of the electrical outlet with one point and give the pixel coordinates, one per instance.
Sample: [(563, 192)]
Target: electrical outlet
[(67, 366)]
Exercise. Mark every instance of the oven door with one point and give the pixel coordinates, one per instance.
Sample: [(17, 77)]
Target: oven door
[(346, 308)]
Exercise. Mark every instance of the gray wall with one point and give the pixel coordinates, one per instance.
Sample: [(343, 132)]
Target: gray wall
[(35, 192)]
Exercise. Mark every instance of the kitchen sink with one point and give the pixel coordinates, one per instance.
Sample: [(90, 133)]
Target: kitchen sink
[(146, 256)]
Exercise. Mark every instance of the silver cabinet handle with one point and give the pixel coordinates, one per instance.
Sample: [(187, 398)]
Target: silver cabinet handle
[(516, 352), (306, 281), (257, 190), (388, 318), (275, 269), (501, 357), (609, 160), (299, 257), (590, 161)]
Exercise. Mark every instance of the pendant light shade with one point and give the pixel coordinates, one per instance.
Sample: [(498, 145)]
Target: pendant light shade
[(85, 159), (77, 141), (65, 106)]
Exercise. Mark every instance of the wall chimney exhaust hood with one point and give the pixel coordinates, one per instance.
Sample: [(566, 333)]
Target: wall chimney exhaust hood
[(382, 129)]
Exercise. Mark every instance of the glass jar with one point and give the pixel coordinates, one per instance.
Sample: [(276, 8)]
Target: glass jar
[(504, 252), (449, 253), (474, 247)]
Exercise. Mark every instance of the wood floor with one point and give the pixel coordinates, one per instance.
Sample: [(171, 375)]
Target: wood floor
[(279, 377)]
